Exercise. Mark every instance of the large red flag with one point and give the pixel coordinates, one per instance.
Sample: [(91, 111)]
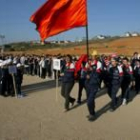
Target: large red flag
[(56, 16)]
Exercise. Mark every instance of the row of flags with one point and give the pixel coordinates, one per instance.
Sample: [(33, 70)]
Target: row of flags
[(56, 16)]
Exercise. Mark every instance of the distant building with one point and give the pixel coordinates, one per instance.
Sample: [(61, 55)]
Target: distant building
[(101, 37), (60, 42), (54, 42), (67, 41), (134, 34), (127, 34), (80, 40)]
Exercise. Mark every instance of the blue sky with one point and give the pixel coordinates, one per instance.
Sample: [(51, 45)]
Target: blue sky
[(107, 17)]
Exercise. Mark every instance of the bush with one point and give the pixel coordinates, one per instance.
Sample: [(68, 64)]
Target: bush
[(121, 46)]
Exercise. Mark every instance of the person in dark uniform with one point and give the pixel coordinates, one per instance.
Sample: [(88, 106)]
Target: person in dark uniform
[(104, 73), (115, 74), (68, 82), (31, 65), (81, 81), (127, 80), (135, 57), (92, 86), (137, 76), (6, 81), (19, 79)]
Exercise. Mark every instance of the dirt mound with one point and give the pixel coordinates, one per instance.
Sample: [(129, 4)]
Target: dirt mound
[(126, 46)]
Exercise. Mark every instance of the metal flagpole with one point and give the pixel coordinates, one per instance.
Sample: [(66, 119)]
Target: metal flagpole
[(87, 43)]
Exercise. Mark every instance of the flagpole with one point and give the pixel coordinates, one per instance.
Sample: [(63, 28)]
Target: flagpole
[(87, 43)]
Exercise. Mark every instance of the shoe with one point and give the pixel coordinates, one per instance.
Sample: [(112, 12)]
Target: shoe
[(112, 109), (20, 96), (79, 102), (124, 102), (91, 117), (72, 103)]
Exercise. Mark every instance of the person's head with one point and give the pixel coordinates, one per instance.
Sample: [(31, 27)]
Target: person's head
[(114, 62), (94, 57), (135, 54), (42, 57), (68, 58), (125, 61)]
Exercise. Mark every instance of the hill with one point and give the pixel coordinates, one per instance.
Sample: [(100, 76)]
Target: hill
[(126, 46)]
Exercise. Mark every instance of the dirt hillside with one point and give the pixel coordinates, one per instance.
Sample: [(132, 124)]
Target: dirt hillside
[(126, 46)]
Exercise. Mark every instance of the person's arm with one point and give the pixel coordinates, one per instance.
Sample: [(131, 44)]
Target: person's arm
[(120, 73)]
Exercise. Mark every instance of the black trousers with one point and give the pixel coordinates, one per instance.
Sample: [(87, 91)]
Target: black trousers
[(49, 71), (18, 88), (125, 89), (7, 86), (65, 92), (31, 69), (43, 73), (81, 86), (112, 91), (91, 94)]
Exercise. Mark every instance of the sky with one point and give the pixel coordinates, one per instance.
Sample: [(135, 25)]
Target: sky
[(105, 17)]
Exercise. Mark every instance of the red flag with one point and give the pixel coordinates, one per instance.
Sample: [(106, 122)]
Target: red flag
[(83, 58), (56, 16)]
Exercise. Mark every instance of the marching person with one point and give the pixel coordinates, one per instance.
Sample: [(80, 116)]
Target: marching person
[(81, 81), (137, 76), (104, 73), (115, 74), (19, 79), (42, 64), (97, 66), (68, 82), (127, 80), (92, 86), (134, 58)]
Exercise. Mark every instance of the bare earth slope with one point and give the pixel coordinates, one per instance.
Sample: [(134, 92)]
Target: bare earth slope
[(126, 46)]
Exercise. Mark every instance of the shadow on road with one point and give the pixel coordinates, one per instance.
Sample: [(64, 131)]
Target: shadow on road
[(39, 86), (102, 92), (107, 107)]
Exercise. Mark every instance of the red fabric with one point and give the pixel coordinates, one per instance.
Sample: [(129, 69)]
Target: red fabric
[(121, 74), (83, 58), (56, 16), (68, 67), (94, 62), (71, 70), (98, 70)]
